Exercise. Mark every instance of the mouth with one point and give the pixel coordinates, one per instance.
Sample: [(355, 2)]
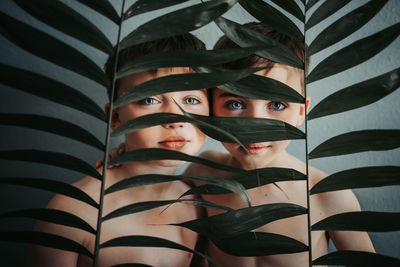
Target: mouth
[(256, 148), (174, 142)]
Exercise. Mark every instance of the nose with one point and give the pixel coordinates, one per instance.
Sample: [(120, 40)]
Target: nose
[(172, 107), (255, 112)]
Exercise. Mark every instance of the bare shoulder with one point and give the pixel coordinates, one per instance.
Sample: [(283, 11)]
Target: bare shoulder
[(201, 170), (333, 202)]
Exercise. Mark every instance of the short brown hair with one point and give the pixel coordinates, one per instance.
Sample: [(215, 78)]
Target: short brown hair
[(298, 47), (180, 42)]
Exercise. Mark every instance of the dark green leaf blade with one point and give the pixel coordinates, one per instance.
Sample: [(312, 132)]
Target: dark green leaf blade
[(184, 58), (354, 53), (245, 37), (310, 4), (51, 158), (147, 205), (357, 95), (345, 26), (254, 244), (143, 6), (55, 14), (53, 216), (251, 179), (359, 178), (131, 265), (149, 241), (180, 82), (366, 221), (161, 154), (45, 239), (51, 49), (149, 179), (356, 258), (358, 141), (270, 16), (49, 89), (291, 7), (247, 130), (236, 222), (52, 186), (325, 10), (261, 87), (178, 22), (103, 7), (52, 125)]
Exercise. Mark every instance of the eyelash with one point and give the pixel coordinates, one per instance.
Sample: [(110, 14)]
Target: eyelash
[(191, 97), (229, 104), (143, 101)]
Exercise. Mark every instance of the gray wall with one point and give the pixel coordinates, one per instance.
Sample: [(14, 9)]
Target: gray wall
[(382, 115)]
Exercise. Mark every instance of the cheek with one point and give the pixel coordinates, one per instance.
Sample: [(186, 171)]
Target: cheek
[(231, 147)]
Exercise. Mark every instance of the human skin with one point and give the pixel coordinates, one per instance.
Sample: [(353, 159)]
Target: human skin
[(183, 137), (274, 154)]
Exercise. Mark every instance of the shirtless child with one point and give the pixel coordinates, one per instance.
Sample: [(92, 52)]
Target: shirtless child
[(274, 154), (183, 137)]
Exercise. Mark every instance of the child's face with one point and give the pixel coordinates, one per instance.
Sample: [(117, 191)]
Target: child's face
[(183, 137), (229, 105)]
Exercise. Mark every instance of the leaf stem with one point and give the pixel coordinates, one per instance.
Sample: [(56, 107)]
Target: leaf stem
[(107, 145), (306, 144)]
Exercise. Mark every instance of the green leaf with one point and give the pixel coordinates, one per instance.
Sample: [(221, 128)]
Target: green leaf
[(53, 216), (254, 244), (358, 141), (55, 14), (248, 130), (357, 95), (236, 222), (356, 258), (366, 221), (251, 130), (291, 7), (143, 6), (150, 241), (149, 179), (260, 87), (51, 49), (354, 53), (251, 179), (310, 4), (163, 154), (359, 178), (52, 125), (103, 7), (147, 205), (180, 82), (184, 58), (246, 37), (51, 158), (345, 26), (52, 186), (325, 10), (132, 265), (45, 239), (178, 22), (270, 16), (47, 88)]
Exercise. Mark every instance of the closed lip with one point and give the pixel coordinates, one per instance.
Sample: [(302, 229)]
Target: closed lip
[(174, 142), (256, 148)]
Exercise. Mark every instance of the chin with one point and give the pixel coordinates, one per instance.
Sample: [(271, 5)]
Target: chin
[(170, 163)]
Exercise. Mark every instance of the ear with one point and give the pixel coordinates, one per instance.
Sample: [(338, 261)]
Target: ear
[(115, 122), (302, 111)]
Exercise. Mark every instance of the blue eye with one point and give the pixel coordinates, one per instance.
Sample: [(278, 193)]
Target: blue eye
[(277, 106), (191, 101), (234, 105), (148, 101)]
